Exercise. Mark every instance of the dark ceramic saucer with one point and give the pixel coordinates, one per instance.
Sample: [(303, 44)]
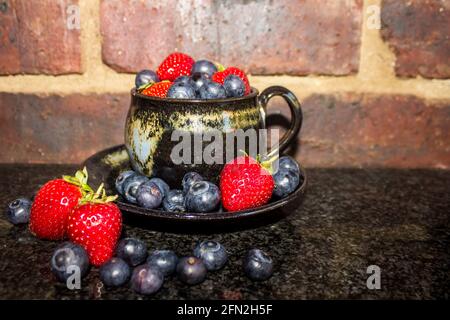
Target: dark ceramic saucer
[(105, 166)]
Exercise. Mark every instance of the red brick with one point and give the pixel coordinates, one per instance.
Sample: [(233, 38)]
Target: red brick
[(368, 130), (59, 129), (263, 37), (418, 31), (34, 38)]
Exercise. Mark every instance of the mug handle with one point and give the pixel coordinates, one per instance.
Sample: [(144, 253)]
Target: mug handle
[(296, 115)]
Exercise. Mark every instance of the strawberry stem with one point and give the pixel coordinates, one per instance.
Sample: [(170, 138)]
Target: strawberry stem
[(244, 152), (220, 67), (80, 180), (145, 86), (87, 193), (266, 164), (98, 196)]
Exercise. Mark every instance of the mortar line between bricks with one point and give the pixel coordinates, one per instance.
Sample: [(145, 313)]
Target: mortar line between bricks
[(376, 73), (302, 86), (376, 61)]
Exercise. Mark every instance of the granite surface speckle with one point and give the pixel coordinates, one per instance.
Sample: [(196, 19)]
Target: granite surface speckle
[(398, 220)]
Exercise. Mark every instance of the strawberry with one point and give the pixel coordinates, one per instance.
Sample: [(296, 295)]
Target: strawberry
[(96, 225), (175, 65), (158, 89), (220, 76), (53, 203), (245, 183)]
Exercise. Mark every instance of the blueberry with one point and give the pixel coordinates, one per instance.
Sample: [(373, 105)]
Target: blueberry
[(165, 260), (132, 251), (212, 90), (181, 90), (286, 181), (67, 259), (18, 211), (258, 265), (146, 279), (187, 80), (131, 185), (149, 195), (115, 272), (234, 86), (163, 186), (191, 270), (121, 179), (174, 201), (199, 80), (212, 253), (144, 77), (287, 162), (204, 66), (203, 196), (189, 179)]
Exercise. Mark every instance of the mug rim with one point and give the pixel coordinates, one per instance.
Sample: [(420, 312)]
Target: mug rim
[(253, 93)]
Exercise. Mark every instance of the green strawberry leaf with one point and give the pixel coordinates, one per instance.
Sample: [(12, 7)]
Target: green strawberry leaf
[(87, 193), (219, 66)]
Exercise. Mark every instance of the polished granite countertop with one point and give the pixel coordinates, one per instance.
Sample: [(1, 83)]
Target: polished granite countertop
[(350, 219)]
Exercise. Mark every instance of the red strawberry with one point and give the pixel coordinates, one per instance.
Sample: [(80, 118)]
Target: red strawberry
[(244, 184), (53, 203), (175, 65), (220, 76), (96, 226), (158, 89)]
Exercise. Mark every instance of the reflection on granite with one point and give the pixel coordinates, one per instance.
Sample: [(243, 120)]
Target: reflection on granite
[(350, 219)]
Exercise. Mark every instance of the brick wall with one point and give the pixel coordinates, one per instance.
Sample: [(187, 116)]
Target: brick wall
[(371, 96)]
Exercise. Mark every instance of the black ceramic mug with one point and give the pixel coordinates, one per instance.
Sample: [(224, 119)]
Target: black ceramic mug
[(151, 122)]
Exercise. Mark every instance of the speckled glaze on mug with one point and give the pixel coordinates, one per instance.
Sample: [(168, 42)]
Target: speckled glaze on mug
[(151, 121)]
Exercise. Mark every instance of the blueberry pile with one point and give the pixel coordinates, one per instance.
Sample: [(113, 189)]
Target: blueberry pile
[(188, 79), (197, 195), (200, 85), (145, 273)]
